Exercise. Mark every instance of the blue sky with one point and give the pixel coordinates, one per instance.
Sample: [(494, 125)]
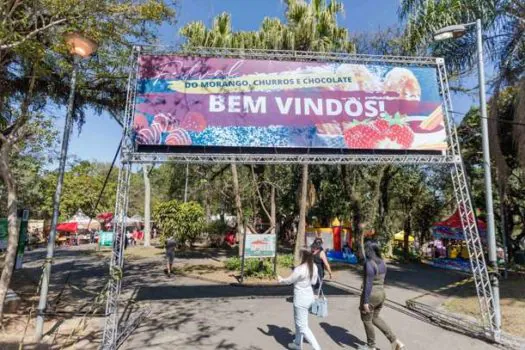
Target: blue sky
[(100, 135)]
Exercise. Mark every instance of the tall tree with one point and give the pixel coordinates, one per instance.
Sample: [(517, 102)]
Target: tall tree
[(504, 48), (35, 66), (310, 26)]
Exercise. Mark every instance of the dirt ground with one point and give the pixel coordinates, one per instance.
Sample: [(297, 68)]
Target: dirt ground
[(512, 303)]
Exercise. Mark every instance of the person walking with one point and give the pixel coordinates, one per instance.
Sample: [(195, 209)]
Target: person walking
[(321, 261), (302, 277), (373, 298), (170, 254)]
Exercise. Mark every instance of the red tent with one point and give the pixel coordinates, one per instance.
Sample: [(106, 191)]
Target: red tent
[(105, 216), (451, 228), (454, 221), (67, 227)]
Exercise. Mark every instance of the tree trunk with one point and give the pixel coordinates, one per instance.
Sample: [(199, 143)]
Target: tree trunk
[(238, 207), (408, 231), (147, 207), (299, 239), (207, 202), (355, 207), (12, 228)]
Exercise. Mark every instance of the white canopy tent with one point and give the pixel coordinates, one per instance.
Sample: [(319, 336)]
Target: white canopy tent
[(84, 222)]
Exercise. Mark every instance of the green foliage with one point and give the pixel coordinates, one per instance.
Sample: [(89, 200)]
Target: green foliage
[(260, 268), (309, 27), (233, 263), (81, 189), (216, 231), (502, 23), (183, 221), (285, 260)]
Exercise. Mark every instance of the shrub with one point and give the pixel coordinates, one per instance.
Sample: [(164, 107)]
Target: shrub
[(233, 263), (216, 231), (252, 267), (285, 260), (183, 221)]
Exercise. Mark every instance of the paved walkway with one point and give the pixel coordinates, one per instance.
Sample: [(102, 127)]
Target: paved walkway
[(194, 314)]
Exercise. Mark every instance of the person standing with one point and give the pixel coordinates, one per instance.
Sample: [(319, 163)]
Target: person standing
[(373, 297), (170, 254), (91, 236), (321, 261), (303, 277)]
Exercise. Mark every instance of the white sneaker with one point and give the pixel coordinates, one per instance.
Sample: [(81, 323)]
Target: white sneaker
[(294, 346), (397, 345), (365, 347)]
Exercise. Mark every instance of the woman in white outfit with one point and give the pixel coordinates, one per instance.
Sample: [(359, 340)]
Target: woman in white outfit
[(303, 277)]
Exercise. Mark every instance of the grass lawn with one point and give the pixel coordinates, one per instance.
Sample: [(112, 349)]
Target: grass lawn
[(512, 303)]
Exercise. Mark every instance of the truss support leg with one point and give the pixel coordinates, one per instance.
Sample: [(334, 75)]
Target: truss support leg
[(475, 248), (111, 327)]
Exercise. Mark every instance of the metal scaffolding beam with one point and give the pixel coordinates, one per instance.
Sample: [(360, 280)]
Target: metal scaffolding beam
[(329, 159), (450, 158)]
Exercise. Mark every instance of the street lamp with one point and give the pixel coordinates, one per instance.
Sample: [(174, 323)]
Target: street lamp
[(79, 47), (456, 31)]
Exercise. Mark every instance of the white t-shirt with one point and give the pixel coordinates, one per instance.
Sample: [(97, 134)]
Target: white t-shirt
[(302, 284)]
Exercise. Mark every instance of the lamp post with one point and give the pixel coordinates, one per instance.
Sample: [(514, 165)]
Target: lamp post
[(79, 47), (457, 31)]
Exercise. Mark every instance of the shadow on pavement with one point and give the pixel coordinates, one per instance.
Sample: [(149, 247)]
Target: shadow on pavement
[(170, 292), (341, 336), (282, 335), (415, 277)]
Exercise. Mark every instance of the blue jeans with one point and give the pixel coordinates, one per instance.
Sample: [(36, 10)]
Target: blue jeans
[(301, 307)]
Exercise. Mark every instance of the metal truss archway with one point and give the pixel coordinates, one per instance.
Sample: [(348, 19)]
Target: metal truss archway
[(451, 158)]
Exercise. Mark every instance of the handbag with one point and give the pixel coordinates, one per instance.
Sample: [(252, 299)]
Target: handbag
[(320, 305)]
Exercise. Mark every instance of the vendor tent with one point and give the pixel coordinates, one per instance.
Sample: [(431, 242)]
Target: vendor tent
[(105, 216), (129, 221), (451, 228), (137, 218), (84, 222), (400, 236), (70, 227)]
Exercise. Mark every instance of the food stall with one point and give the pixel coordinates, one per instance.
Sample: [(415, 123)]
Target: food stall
[(66, 232), (449, 249), (77, 229)]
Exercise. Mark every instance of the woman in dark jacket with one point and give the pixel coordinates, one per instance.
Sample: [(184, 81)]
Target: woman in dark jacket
[(321, 261), (373, 297)]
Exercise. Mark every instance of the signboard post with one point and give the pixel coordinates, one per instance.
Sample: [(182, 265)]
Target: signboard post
[(260, 246), (105, 239)]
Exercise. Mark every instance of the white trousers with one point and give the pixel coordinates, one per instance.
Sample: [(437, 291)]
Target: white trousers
[(301, 307)]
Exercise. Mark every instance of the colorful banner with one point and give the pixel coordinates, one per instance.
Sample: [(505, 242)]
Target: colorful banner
[(259, 246), (226, 102)]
